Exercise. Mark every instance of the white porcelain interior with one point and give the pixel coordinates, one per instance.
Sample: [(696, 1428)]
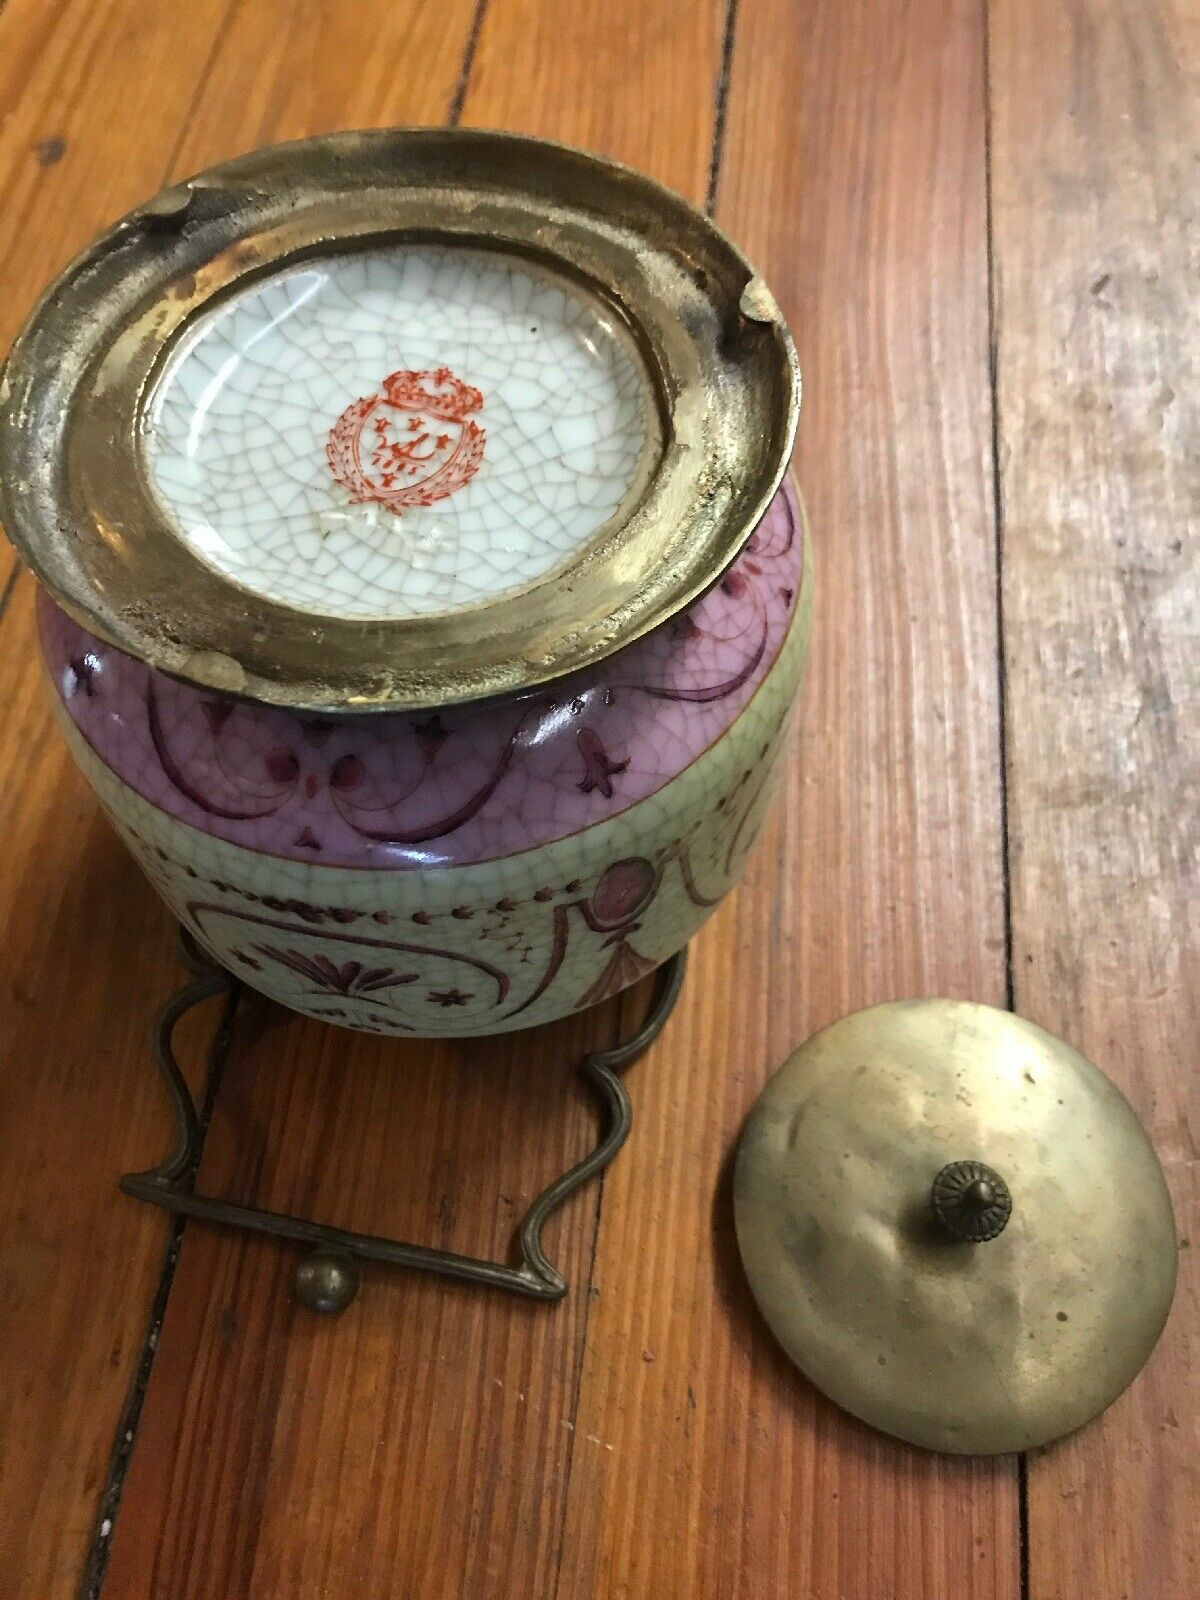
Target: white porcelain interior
[(399, 431)]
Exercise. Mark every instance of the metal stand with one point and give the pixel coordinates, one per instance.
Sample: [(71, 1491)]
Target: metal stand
[(327, 1279)]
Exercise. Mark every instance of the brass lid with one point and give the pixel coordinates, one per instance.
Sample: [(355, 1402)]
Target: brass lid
[(955, 1226), (718, 362)]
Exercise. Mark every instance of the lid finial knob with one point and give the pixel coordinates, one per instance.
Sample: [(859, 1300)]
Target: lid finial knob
[(971, 1201)]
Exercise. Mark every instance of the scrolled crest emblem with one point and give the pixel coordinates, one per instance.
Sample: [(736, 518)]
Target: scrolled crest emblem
[(411, 444)]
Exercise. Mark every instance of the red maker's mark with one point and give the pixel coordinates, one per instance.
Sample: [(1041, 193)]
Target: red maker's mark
[(414, 443)]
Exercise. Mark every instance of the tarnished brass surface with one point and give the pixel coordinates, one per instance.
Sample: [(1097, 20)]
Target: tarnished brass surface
[(74, 496), (970, 1347)]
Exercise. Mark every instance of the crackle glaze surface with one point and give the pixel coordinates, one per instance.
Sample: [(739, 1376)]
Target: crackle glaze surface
[(468, 784), (398, 431), (564, 904)]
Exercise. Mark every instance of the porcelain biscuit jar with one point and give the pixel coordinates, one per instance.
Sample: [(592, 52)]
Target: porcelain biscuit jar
[(422, 592)]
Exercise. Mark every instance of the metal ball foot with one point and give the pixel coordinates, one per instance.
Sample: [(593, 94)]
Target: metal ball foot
[(326, 1282)]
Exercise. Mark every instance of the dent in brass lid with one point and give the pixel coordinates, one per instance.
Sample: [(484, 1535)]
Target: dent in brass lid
[(394, 419), (955, 1225)]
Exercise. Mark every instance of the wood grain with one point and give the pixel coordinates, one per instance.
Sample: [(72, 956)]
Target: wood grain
[(84, 951), (634, 81), (79, 1265), (1096, 135), (645, 1438), (288, 68), (67, 163), (422, 1444), (95, 101), (854, 174)]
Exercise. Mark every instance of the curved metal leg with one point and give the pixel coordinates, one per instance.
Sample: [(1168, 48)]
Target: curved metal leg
[(210, 980), (327, 1280)]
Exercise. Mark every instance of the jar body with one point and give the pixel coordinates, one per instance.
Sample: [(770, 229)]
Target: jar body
[(471, 871)]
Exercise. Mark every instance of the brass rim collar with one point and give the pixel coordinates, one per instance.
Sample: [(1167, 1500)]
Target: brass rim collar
[(74, 495)]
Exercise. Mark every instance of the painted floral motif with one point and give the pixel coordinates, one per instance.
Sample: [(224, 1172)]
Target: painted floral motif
[(359, 976), (350, 978), (448, 997), (623, 892), (411, 445), (625, 966), (598, 770), (482, 950), (462, 785)]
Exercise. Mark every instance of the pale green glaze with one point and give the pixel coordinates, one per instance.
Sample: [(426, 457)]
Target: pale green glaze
[(484, 948)]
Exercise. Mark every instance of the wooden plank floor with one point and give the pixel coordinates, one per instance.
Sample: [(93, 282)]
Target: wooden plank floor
[(984, 229), (1096, 185)]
